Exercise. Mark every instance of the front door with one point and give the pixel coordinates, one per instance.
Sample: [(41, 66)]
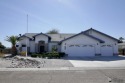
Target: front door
[(42, 49)]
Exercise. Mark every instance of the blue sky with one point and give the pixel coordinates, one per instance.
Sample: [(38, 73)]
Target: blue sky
[(68, 16)]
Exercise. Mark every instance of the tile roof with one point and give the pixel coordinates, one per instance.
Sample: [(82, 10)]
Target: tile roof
[(54, 37)]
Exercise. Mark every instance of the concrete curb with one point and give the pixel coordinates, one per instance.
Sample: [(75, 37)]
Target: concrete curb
[(57, 68)]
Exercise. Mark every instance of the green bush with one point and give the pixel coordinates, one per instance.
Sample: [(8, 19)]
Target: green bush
[(34, 55), (56, 55), (39, 55), (61, 54), (49, 55)]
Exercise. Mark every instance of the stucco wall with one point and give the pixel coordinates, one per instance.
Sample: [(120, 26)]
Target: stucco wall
[(81, 39), (103, 37), (50, 46), (32, 46), (41, 37), (107, 40), (23, 41)]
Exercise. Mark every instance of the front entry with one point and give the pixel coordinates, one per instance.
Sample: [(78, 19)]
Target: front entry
[(42, 49), (41, 46)]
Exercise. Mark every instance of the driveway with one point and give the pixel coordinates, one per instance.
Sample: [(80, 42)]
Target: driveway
[(98, 61)]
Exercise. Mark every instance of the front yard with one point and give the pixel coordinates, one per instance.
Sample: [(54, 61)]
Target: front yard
[(29, 62)]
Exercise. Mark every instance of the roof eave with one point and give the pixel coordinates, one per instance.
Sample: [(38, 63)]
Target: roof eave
[(104, 34), (24, 36), (42, 34)]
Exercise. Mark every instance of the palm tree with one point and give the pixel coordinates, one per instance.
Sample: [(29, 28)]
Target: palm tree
[(13, 40)]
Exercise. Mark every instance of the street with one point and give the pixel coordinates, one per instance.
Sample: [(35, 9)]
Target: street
[(64, 76)]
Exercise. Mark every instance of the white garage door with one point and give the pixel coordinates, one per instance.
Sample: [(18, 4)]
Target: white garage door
[(80, 50), (106, 50)]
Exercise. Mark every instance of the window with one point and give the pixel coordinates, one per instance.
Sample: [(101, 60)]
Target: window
[(84, 46), (42, 42), (103, 45), (91, 45), (77, 45), (17, 45), (23, 45), (71, 45), (109, 45)]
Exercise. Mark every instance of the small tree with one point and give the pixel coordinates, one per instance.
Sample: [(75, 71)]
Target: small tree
[(13, 40), (121, 39), (1, 47), (53, 31), (54, 49)]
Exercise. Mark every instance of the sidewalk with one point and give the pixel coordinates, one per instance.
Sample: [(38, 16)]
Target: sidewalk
[(57, 68)]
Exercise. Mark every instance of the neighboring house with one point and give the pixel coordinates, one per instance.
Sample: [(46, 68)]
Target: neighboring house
[(121, 45), (87, 43)]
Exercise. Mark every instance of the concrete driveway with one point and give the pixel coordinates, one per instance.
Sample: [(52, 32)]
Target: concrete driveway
[(98, 61)]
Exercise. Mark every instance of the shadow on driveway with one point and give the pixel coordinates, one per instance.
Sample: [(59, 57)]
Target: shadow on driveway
[(96, 58)]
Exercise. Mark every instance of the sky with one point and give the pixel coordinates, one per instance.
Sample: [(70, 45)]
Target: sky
[(68, 16)]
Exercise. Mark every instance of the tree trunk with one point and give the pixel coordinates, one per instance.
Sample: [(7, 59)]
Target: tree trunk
[(14, 50)]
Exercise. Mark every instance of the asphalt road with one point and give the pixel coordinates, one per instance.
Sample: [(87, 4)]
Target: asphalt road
[(64, 76)]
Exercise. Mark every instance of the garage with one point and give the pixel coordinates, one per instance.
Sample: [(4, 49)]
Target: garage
[(106, 50), (90, 43), (80, 50)]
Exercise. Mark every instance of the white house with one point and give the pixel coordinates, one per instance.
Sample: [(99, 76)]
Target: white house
[(86, 43), (121, 45)]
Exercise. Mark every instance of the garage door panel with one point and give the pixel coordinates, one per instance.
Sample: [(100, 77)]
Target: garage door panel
[(80, 50), (106, 50)]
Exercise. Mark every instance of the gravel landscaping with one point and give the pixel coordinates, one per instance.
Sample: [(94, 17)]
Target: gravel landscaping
[(28, 62)]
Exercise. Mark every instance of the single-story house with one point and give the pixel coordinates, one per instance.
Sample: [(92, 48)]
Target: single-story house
[(86, 43), (121, 45)]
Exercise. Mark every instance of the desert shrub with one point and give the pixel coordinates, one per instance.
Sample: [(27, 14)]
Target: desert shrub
[(23, 53), (39, 55), (6, 51), (53, 55), (44, 55), (49, 55), (1, 55), (34, 55), (121, 51)]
